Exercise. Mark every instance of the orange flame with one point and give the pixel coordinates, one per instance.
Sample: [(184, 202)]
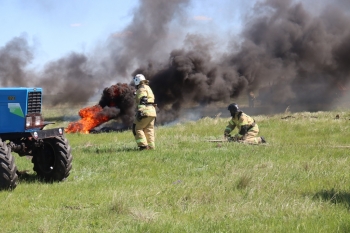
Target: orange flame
[(90, 118)]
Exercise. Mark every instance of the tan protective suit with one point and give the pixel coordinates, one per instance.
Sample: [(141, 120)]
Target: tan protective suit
[(143, 129), (241, 119)]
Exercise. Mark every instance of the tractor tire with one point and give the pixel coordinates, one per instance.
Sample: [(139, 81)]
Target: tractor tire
[(8, 169), (53, 160)]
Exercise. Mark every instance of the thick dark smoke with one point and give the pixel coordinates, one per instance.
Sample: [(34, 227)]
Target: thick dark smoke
[(147, 33), (288, 53), (191, 77), (70, 79), (119, 96), (292, 57), (304, 56), (14, 57)]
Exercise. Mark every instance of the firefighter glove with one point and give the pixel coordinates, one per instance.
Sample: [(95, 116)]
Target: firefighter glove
[(144, 100)]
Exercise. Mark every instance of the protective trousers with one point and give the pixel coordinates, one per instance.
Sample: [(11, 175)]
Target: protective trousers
[(250, 137), (144, 132)]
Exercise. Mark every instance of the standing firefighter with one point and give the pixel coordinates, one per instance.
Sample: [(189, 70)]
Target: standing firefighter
[(143, 127), (248, 129), (251, 99)]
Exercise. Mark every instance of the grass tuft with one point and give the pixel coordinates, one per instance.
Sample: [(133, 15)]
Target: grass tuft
[(244, 181)]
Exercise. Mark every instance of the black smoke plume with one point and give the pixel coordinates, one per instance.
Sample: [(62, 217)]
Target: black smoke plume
[(120, 96), (291, 56), (305, 56), (14, 57), (290, 53), (146, 36)]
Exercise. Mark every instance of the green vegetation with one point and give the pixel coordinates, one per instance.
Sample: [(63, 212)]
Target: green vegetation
[(298, 182)]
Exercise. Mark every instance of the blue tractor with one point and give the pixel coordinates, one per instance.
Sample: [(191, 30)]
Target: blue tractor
[(22, 131)]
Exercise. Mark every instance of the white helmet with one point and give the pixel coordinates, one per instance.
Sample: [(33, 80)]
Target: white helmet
[(138, 78)]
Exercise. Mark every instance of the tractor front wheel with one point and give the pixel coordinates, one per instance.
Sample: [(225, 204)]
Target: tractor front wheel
[(8, 169), (53, 160)]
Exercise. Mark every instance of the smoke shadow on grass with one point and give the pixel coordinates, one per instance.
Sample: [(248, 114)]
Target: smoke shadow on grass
[(108, 130), (28, 178), (333, 196), (102, 150), (25, 177)]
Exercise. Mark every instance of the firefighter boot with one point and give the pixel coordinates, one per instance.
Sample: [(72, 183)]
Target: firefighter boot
[(144, 147)]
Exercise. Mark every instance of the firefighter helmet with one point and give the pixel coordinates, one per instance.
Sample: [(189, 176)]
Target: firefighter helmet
[(233, 108), (138, 78)]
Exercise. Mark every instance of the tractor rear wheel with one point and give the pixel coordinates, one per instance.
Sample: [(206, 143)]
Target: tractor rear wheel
[(8, 169), (53, 160)]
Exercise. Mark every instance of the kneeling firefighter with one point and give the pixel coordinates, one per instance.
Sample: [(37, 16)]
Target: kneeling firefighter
[(143, 127), (248, 129)]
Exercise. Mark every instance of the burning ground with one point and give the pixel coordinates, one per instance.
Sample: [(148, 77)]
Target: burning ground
[(299, 54), (116, 103)]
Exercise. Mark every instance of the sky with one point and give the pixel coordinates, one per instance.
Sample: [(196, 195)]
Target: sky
[(56, 28)]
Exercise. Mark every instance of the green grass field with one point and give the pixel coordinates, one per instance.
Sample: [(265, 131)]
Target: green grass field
[(298, 182)]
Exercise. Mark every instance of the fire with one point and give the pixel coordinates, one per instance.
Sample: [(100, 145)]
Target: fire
[(90, 118), (115, 103)]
